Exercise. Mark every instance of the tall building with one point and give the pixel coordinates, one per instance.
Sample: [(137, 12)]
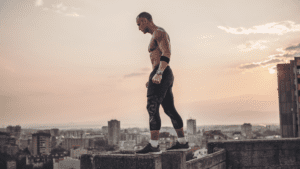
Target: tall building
[(41, 143), (113, 132), (288, 76), (247, 130), (191, 126)]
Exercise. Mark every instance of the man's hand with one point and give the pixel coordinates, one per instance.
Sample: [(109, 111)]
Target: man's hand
[(147, 84), (157, 79)]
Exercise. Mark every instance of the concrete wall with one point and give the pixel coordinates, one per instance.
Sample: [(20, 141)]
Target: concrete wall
[(166, 160), (216, 160), (252, 154), (128, 161)]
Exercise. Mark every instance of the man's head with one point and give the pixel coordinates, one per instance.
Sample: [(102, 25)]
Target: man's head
[(144, 20)]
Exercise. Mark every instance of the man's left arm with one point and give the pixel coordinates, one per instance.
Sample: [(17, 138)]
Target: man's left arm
[(165, 48)]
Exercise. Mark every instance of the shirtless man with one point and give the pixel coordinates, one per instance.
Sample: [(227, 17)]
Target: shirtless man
[(160, 85)]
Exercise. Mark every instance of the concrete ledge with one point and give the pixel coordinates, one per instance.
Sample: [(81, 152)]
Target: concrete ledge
[(175, 159), (282, 153), (130, 161), (215, 160)]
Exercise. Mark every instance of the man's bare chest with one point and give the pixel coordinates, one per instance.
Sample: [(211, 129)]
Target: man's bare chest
[(152, 45)]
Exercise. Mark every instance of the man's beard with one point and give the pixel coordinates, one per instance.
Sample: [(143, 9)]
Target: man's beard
[(146, 30)]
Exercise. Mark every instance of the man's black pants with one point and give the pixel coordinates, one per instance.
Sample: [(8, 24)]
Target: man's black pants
[(162, 94)]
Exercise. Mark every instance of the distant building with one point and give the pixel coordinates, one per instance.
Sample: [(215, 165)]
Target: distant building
[(113, 132), (54, 132), (127, 145), (4, 137), (77, 152), (68, 163), (12, 149), (74, 134), (143, 137), (41, 144), (14, 130), (194, 140), (247, 130), (105, 129), (191, 126), (11, 164), (24, 143), (69, 143)]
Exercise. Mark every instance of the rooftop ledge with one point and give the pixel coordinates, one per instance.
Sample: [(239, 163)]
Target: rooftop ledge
[(166, 160), (255, 140), (230, 154)]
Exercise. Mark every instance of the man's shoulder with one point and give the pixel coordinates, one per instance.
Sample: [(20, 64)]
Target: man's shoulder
[(161, 30), (159, 33)]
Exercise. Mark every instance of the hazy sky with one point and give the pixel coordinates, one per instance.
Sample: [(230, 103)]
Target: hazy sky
[(73, 62)]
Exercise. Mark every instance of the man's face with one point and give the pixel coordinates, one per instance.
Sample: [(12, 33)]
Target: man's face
[(141, 22)]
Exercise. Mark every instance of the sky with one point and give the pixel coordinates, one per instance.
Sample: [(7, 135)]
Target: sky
[(85, 62)]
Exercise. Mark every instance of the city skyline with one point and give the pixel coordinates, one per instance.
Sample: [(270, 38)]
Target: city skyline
[(72, 62), (99, 127)]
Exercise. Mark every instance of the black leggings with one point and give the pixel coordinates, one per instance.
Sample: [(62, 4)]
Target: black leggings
[(162, 94)]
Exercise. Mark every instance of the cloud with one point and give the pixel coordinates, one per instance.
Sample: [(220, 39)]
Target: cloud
[(145, 69), (39, 2), (273, 59), (61, 9), (254, 65), (134, 74), (293, 47), (273, 69), (251, 45), (74, 14), (278, 28)]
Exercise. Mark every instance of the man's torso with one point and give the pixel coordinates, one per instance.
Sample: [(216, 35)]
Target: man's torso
[(155, 52)]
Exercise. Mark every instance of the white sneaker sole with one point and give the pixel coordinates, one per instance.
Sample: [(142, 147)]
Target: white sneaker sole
[(160, 152), (181, 149), (155, 152)]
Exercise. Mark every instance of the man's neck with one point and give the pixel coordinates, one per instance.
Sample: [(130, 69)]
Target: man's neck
[(152, 29)]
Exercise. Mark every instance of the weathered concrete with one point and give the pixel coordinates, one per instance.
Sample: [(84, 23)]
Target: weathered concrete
[(216, 160), (175, 159), (128, 161), (275, 153), (86, 161)]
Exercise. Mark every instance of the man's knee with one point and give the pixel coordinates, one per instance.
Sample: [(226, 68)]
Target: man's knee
[(154, 98)]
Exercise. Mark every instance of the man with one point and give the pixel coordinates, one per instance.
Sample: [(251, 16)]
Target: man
[(160, 85)]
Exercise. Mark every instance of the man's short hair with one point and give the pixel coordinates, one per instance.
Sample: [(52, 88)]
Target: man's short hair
[(145, 15)]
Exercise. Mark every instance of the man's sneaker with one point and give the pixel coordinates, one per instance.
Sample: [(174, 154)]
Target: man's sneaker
[(149, 149), (179, 146)]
